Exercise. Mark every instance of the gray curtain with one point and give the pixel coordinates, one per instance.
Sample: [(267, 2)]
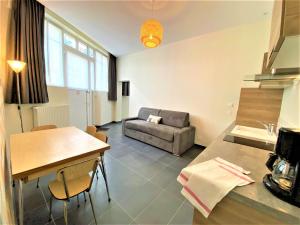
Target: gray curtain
[(26, 43), (112, 78)]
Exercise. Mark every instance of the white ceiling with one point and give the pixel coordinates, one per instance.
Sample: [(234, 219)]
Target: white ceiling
[(116, 24)]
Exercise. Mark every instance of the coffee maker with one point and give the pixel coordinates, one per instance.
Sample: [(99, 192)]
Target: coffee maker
[(284, 181)]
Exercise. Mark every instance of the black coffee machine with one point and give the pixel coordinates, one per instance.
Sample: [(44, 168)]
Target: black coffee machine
[(284, 181)]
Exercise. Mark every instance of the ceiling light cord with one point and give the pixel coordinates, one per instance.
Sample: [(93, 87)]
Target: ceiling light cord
[(152, 2)]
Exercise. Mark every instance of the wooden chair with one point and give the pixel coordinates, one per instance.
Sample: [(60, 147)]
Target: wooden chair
[(43, 127), (71, 181), (91, 130), (102, 137)]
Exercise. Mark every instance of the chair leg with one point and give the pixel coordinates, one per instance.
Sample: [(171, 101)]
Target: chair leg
[(50, 209), (78, 205), (92, 207), (66, 212), (37, 183), (84, 196), (104, 176), (97, 174)]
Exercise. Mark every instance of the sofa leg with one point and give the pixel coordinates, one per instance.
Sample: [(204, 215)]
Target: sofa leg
[(176, 155)]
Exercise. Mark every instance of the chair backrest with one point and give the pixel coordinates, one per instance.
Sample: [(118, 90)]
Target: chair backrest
[(44, 127), (101, 136), (76, 171), (91, 130)]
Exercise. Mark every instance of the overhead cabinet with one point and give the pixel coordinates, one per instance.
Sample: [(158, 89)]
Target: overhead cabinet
[(285, 24)]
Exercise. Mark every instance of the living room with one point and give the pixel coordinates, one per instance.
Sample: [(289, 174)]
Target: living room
[(159, 88)]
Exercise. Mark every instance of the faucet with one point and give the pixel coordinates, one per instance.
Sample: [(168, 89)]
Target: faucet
[(269, 127)]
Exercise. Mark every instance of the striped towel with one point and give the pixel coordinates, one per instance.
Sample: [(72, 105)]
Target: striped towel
[(205, 184)]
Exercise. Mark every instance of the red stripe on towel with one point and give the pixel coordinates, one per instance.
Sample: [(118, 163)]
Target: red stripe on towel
[(238, 175), (197, 199), (183, 177), (227, 165)]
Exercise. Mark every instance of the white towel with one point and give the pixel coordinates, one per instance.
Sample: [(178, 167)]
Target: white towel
[(205, 184)]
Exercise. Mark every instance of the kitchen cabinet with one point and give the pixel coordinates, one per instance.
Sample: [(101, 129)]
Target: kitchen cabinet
[(285, 23)]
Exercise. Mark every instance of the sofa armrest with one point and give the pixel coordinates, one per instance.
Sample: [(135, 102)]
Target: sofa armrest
[(124, 121), (183, 140)]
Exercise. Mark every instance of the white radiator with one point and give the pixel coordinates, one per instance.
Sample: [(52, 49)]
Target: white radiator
[(56, 114)]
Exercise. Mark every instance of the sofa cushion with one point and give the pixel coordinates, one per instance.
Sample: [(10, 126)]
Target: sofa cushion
[(174, 118), (158, 130), (144, 113)]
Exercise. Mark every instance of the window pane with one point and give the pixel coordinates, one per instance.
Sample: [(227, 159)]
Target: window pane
[(69, 40), (77, 71), (54, 32), (92, 74), (91, 52), (82, 48), (55, 56), (101, 72)]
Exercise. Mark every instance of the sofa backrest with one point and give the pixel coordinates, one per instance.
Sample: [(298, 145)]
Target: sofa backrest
[(174, 118), (145, 112)]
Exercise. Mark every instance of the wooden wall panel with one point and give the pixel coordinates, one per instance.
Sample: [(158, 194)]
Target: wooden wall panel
[(259, 104)]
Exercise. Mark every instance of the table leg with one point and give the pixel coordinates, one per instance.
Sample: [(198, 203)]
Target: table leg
[(21, 202)]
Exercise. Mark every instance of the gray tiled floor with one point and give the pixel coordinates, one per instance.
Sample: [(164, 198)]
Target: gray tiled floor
[(143, 187)]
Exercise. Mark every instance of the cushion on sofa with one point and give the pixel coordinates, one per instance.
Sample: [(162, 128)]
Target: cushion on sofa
[(174, 118), (158, 130), (145, 112)]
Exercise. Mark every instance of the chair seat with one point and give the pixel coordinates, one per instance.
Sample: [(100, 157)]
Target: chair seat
[(75, 186), (158, 130)]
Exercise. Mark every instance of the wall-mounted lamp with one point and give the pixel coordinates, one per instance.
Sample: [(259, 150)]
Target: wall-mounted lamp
[(17, 66)]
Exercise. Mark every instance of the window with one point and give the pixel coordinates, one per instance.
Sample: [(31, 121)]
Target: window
[(77, 71), (82, 48), (69, 40), (91, 52), (71, 62), (101, 78), (54, 56), (92, 75)]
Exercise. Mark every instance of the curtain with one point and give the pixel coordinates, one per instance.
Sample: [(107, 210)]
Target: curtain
[(112, 78), (26, 43)]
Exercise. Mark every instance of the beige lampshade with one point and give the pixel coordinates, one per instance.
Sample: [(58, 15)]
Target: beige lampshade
[(151, 33), (16, 66)]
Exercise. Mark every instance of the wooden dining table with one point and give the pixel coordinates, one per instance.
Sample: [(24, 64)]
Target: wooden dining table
[(39, 153)]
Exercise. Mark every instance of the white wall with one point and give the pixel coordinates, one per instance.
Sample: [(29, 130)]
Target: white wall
[(63, 96), (289, 56), (202, 76)]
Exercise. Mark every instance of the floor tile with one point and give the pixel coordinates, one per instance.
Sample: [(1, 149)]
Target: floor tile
[(175, 188), (164, 177), (38, 215), (115, 215), (160, 211), (135, 201), (183, 216)]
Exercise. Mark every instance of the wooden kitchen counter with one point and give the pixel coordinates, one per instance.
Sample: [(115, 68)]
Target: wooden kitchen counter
[(250, 204)]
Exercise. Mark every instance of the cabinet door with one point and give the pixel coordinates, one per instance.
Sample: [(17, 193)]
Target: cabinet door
[(276, 37), (291, 18)]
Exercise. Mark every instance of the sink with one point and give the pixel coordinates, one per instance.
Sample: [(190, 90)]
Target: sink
[(252, 133)]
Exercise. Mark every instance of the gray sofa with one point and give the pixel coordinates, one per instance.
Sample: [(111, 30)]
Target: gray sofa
[(173, 134)]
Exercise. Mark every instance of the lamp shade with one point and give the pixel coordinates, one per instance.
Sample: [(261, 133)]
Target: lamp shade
[(16, 66), (151, 33)]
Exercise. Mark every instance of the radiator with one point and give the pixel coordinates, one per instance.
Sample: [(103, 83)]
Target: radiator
[(57, 115)]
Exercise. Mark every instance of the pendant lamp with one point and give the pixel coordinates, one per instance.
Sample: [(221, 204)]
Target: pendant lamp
[(151, 32)]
